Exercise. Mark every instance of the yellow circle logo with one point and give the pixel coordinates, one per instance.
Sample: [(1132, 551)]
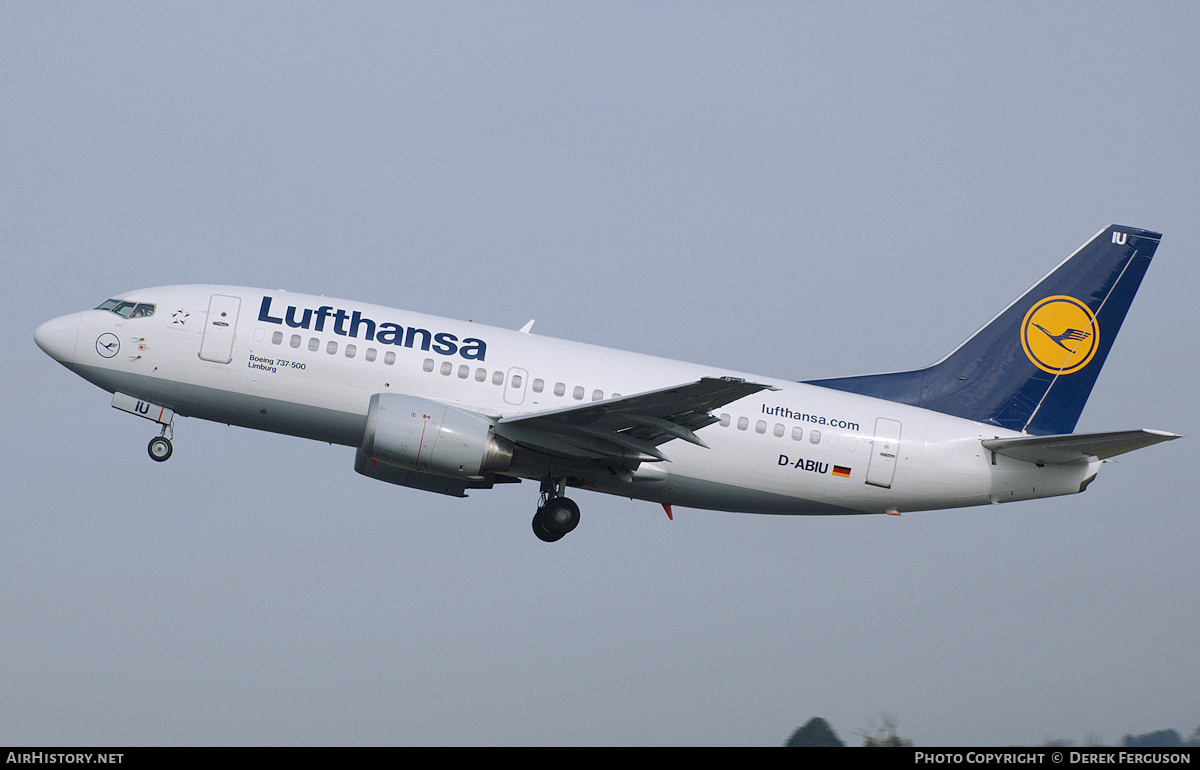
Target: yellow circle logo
[(1060, 335)]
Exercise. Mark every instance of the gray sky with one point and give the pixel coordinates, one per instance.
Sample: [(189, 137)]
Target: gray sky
[(796, 189)]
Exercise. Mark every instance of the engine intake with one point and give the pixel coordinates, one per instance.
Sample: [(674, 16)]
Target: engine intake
[(431, 437)]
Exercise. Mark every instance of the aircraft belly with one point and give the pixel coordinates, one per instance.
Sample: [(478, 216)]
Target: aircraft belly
[(720, 495), (770, 474), (713, 494), (743, 476), (235, 408)]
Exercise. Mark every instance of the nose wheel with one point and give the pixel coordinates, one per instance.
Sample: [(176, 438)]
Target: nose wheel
[(160, 447)]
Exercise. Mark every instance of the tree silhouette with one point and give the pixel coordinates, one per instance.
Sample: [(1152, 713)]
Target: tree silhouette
[(1156, 738), (885, 734), (815, 732)]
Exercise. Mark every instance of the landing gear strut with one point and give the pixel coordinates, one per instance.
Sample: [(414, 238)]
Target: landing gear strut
[(556, 515)]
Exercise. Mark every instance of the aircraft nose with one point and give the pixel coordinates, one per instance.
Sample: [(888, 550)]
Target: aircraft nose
[(57, 337)]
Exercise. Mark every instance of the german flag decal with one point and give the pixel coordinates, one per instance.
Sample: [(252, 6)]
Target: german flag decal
[(841, 471)]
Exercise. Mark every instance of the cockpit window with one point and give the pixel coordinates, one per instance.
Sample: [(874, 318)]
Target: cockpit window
[(127, 309)]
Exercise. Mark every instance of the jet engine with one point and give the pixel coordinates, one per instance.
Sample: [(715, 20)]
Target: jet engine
[(431, 437)]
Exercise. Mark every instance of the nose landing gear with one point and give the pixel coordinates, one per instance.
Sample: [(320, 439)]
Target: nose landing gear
[(556, 515), (160, 446)]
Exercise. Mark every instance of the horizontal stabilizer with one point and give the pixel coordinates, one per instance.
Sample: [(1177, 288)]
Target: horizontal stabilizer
[(1073, 447)]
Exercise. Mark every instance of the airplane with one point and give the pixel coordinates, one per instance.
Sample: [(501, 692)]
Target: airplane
[(449, 406)]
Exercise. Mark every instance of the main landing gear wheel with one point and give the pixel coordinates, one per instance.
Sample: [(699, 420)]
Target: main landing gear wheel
[(160, 448), (555, 518)]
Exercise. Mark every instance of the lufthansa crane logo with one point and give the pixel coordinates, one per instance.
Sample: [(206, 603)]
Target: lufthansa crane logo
[(1060, 334), (107, 344)]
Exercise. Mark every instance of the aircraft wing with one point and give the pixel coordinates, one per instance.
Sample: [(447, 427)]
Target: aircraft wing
[(628, 427), (1072, 447)]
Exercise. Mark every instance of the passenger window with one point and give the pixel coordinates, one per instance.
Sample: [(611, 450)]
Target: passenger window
[(724, 420), (516, 380), (331, 347), (351, 350), (464, 371), (815, 437), (833, 440), (481, 375), (447, 367), (371, 354), (538, 385), (577, 393), (597, 395), (851, 443), (427, 365), (294, 341), (497, 377), (760, 426), (389, 358), (277, 338), (314, 344), (778, 430), (559, 389), (743, 423), (797, 434)]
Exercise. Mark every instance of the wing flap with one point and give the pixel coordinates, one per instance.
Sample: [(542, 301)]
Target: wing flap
[(629, 427), (1073, 447)]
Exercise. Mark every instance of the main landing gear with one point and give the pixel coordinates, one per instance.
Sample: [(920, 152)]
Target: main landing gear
[(556, 515), (160, 446)]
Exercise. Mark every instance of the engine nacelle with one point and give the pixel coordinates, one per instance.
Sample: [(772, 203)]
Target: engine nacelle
[(431, 437)]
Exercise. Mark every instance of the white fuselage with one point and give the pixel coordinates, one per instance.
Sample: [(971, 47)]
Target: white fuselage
[(307, 366)]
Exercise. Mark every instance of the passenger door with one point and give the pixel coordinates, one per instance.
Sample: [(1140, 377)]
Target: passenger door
[(220, 328)]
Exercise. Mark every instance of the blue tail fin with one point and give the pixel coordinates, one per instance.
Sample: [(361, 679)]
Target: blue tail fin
[(1033, 366)]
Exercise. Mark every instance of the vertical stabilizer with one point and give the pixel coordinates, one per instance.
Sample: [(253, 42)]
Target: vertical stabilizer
[(1033, 366)]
